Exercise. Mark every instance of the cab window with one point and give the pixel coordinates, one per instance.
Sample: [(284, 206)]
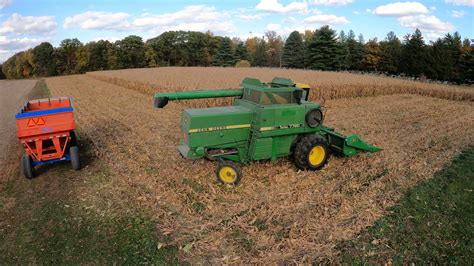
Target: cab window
[(252, 96), (284, 97)]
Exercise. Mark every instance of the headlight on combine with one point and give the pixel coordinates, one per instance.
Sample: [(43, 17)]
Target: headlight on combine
[(314, 117)]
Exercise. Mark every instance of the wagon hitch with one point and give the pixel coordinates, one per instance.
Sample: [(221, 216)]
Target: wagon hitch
[(348, 145)]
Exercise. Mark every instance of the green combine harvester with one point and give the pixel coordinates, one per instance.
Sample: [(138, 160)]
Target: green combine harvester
[(265, 122)]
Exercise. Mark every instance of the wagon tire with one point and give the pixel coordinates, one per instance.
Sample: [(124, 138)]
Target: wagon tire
[(311, 153), (73, 138), (27, 166), (74, 155), (228, 173)]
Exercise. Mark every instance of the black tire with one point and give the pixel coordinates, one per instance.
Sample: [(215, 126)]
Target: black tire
[(304, 149), (27, 166), (74, 155), (73, 139), (228, 173)]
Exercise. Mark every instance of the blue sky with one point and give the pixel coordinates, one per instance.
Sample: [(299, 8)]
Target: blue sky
[(26, 23)]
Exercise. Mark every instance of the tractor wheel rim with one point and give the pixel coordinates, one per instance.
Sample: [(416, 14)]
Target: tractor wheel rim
[(227, 174), (316, 155)]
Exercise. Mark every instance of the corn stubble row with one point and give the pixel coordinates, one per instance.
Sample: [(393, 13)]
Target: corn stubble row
[(278, 214), (327, 85)]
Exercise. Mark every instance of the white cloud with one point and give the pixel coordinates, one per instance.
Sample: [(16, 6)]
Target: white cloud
[(224, 27), (326, 20), (458, 14), (7, 43), (273, 26), (331, 2), (276, 7), (195, 18), (251, 17), (200, 13), (98, 20), (19, 24), (4, 3), (198, 18), (10, 46), (432, 36), (401, 9), (461, 2), (425, 23)]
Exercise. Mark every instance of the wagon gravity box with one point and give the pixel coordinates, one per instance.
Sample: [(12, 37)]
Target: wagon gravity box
[(46, 127)]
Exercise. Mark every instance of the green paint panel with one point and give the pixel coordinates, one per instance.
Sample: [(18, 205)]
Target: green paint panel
[(261, 149), (218, 125)]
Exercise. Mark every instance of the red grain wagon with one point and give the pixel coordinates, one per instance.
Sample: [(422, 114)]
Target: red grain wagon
[(46, 127)]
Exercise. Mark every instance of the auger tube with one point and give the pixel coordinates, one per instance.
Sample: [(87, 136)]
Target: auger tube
[(161, 99)]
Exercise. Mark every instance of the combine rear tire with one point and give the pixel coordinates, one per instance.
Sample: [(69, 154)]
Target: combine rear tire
[(228, 173), (74, 155), (311, 153), (27, 166)]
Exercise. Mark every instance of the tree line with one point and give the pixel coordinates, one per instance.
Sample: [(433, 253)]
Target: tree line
[(449, 58)]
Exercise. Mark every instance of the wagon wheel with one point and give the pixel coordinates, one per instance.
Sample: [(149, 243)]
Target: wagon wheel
[(73, 138), (27, 166), (311, 153), (228, 173), (74, 155)]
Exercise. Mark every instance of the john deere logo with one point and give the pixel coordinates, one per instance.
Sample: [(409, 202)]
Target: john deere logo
[(37, 121)]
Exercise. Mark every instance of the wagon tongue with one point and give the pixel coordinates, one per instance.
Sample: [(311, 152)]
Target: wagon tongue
[(348, 145)]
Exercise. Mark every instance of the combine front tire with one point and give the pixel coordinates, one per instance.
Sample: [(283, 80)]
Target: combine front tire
[(27, 166), (74, 155), (311, 153), (228, 173)]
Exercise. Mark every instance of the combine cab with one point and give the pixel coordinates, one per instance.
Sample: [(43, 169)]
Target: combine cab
[(265, 122)]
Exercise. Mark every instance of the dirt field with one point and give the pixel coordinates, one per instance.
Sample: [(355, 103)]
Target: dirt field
[(277, 214), (13, 94)]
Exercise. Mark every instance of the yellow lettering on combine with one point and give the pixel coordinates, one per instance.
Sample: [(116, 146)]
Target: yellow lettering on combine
[(198, 130)]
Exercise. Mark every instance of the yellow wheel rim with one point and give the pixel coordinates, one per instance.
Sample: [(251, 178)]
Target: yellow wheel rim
[(316, 155), (228, 175)]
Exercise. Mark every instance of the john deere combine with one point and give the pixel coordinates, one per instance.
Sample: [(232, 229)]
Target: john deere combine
[(265, 122)]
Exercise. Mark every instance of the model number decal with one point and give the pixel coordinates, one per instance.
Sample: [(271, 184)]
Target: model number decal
[(281, 127)]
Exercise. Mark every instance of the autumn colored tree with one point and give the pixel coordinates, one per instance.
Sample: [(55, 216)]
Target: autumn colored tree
[(371, 58), (274, 48), (251, 44)]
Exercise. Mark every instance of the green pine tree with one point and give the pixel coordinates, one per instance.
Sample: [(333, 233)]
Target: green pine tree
[(241, 52), (293, 51), (414, 56), (324, 52), (224, 56), (390, 51)]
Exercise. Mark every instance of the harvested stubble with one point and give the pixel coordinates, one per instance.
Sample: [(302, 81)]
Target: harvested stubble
[(277, 214), (328, 85)]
